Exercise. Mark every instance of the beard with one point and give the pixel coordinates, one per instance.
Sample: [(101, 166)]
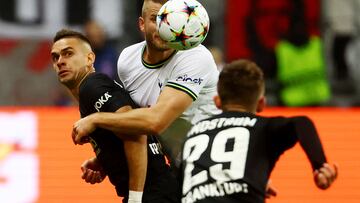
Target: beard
[(156, 43), (73, 79)]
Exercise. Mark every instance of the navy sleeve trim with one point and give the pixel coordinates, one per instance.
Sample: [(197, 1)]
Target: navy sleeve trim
[(183, 88)]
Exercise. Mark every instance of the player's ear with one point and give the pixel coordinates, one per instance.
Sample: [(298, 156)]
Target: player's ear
[(141, 24), (217, 101), (91, 58), (261, 104)]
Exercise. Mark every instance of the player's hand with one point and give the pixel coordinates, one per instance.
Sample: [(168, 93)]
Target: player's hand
[(92, 171), (270, 190), (81, 129), (325, 176)]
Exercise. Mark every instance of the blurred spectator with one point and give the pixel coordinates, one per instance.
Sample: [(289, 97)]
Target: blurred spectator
[(341, 32), (131, 16), (301, 68), (338, 18), (106, 54), (352, 53), (255, 27)]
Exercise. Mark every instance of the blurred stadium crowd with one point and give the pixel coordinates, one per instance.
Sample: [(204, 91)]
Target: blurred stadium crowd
[(309, 49)]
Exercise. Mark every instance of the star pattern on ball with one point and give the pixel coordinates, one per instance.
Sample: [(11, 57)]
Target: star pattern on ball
[(204, 32), (182, 24), (190, 10), (181, 37), (163, 16)]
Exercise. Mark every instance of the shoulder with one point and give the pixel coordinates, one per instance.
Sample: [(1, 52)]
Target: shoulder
[(93, 85), (100, 93), (198, 58), (291, 119), (200, 50), (94, 80), (129, 54), (132, 49), (287, 124)]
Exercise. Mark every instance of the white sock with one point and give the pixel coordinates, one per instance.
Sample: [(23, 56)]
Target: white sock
[(135, 196)]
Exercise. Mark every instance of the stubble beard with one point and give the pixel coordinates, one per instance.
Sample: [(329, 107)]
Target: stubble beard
[(157, 44)]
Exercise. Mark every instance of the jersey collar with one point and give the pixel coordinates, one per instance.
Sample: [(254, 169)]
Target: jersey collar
[(156, 65)]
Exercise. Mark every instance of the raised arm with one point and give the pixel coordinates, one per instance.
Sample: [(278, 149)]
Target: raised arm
[(324, 174), (153, 120)]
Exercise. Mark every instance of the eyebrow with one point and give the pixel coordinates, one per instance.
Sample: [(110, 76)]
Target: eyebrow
[(62, 50)]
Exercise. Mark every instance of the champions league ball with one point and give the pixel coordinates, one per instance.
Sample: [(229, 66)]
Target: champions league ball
[(182, 24)]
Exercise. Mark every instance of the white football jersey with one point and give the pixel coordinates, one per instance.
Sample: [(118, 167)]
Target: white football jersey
[(192, 71)]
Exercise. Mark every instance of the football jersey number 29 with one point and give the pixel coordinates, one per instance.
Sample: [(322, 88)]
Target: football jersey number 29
[(196, 146)]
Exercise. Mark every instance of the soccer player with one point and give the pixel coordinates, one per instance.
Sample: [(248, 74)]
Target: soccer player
[(170, 85), (229, 157), (126, 160)]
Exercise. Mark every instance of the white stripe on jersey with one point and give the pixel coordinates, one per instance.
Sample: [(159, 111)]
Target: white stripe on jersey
[(192, 71)]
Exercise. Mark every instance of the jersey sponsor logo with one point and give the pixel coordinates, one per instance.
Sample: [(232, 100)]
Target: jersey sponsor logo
[(214, 190), (101, 101), (155, 148), (185, 78), (160, 84)]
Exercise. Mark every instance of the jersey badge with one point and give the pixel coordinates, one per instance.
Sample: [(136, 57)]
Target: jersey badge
[(101, 101)]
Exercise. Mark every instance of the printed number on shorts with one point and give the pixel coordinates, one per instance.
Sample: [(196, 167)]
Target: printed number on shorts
[(196, 146)]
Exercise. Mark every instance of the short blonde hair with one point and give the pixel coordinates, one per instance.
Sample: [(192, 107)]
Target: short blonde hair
[(162, 2)]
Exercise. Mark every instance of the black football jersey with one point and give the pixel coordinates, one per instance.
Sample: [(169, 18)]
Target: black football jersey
[(229, 157), (98, 93)]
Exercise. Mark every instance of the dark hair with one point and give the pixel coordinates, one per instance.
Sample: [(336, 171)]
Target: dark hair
[(67, 33), (241, 82)]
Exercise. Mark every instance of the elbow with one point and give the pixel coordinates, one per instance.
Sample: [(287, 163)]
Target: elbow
[(156, 127)]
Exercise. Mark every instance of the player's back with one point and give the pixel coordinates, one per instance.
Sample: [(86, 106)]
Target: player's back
[(229, 157)]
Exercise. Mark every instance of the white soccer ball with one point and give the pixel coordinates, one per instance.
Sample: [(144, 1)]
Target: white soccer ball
[(183, 24)]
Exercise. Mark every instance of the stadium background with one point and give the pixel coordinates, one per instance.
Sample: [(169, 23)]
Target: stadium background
[(38, 161)]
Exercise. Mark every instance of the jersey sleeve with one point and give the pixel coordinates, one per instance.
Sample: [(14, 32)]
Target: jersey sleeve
[(101, 94), (192, 71), (310, 141), (286, 132)]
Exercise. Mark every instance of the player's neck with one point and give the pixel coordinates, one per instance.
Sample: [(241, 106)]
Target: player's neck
[(237, 107), (75, 90), (153, 56)]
